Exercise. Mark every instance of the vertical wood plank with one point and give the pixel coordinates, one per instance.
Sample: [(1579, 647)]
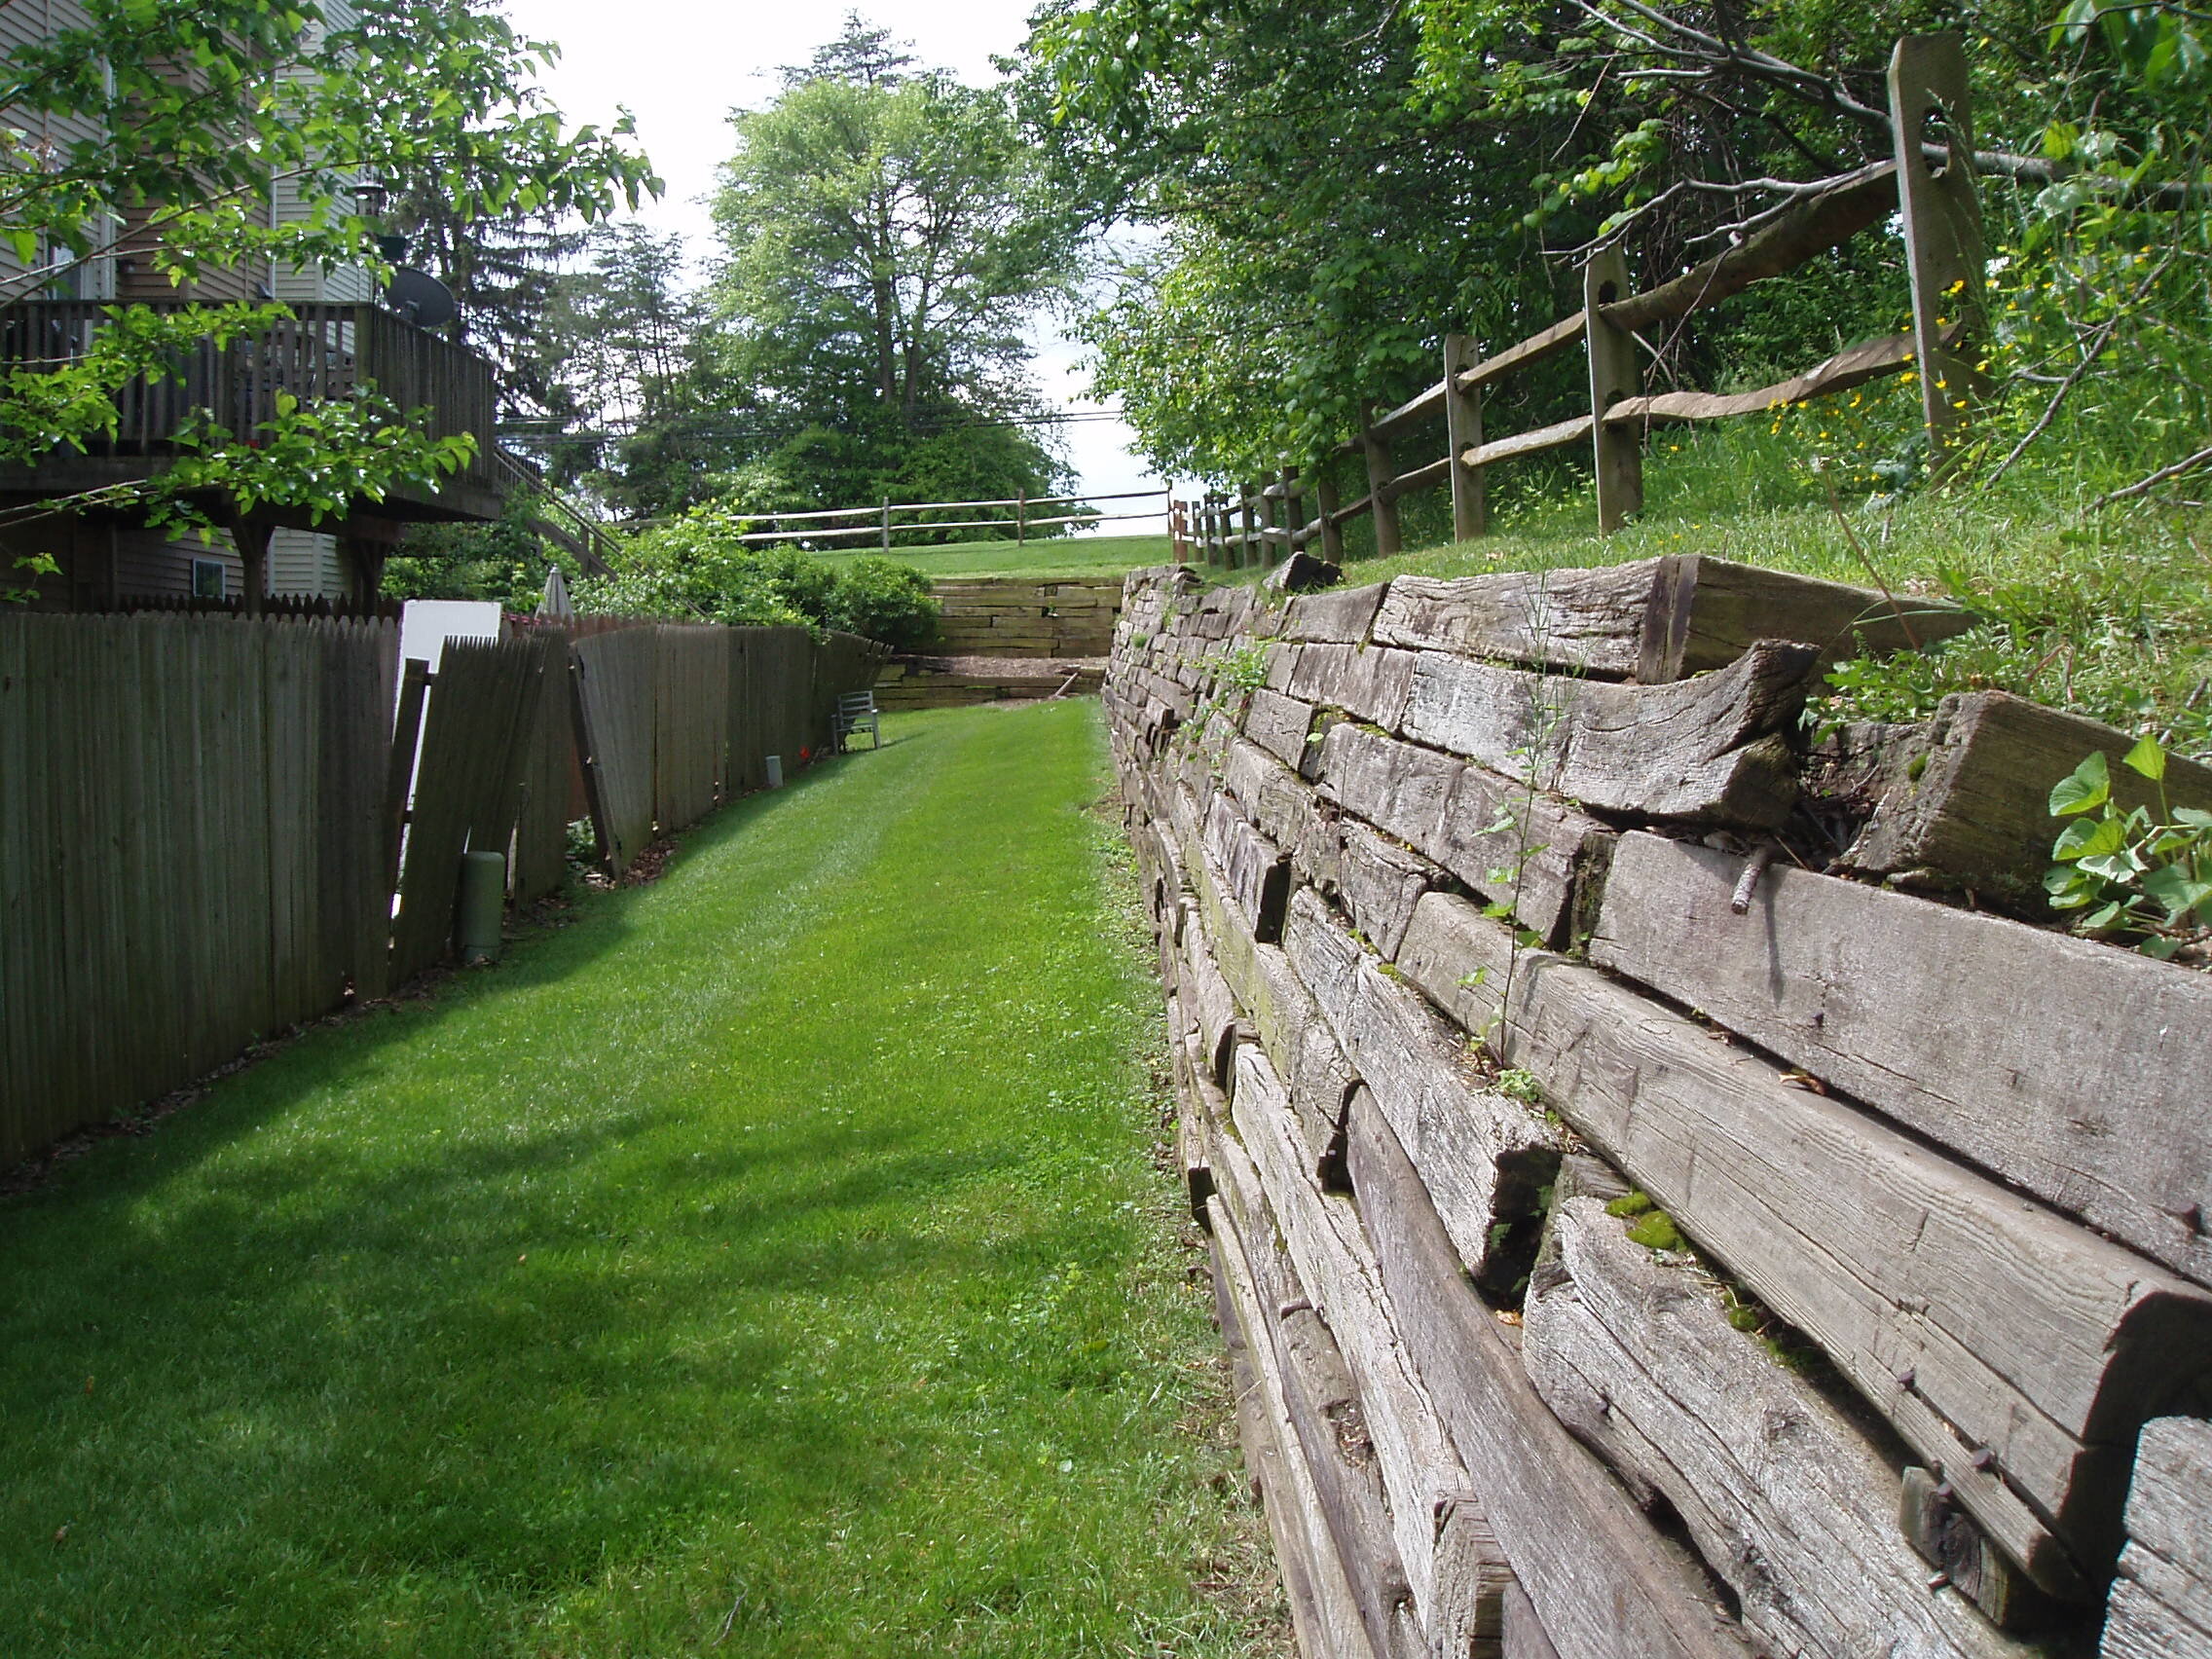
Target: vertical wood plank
[(1613, 376), (16, 783), (1463, 431), (1942, 232), (1374, 449), (1332, 533)]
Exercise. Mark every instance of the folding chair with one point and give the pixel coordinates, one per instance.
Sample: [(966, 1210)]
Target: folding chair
[(857, 711)]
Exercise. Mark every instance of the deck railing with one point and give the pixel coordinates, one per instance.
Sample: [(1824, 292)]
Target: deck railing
[(322, 351)]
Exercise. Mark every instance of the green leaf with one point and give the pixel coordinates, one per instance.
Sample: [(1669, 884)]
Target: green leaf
[(2149, 758), (2084, 790), (2089, 838), (2174, 888), (2122, 867)]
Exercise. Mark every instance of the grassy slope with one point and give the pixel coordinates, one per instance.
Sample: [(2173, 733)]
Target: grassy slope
[(779, 1236), (1080, 556), (2107, 612)]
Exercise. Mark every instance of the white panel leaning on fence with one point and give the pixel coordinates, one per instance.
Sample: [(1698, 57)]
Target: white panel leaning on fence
[(1713, 1256)]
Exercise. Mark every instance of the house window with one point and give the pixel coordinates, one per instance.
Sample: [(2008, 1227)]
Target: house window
[(207, 578)]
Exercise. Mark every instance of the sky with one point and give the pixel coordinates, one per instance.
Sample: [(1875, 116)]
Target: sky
[(681, 67)]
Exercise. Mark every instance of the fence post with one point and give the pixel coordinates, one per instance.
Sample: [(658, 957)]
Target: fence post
[(1381, 469), (1463, 431), (1251, 551), (1332, 533), (1293, 510), (1942, 234), (1613, 375), (252, 537), (1021, 517), (887, 524)]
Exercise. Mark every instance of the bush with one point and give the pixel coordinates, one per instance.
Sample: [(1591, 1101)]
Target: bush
[(696, 570), (885, 601)]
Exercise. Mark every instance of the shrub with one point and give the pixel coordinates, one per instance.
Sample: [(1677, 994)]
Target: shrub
[(696, 568), (885, 601)]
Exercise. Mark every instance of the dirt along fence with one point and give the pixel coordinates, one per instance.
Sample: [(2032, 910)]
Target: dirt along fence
[(1927, 186), (1662, 1205), (214, 829)]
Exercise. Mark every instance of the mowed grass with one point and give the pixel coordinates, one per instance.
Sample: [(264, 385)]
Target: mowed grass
[(1076, 556), (2106, 610), (770, 1262)]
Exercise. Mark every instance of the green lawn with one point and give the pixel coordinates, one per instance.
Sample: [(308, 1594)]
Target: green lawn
[(1080, 556), (2106, 611), (772, 1258)]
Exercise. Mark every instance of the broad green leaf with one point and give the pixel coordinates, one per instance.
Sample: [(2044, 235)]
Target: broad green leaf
[(2122, 867), (2084, 790), (2089, 838), (2174, 888), (2149, 758)]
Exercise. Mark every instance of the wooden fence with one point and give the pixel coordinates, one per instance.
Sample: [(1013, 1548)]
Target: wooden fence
[(1016, 513), (1633, 1241), (1929, 186), (212, 830)]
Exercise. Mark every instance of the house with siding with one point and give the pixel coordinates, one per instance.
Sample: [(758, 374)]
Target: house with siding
[(339, 338)]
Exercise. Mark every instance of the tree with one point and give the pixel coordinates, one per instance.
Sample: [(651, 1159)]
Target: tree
[(1319, 224), (188, 116), (659, 424), (888, 242), (503, 273), (1336, 186)]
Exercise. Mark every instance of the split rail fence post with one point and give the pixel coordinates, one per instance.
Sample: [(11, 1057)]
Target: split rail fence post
[(1613, 376), (1943, 245), (1463, 431), (1380, 471), (1332, 533), (887, 524), (1021, 518), (1248, 550), (1294, 509)]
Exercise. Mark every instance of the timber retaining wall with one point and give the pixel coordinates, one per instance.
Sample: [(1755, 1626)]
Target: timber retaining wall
[(1644, 1223), (1010, 616)]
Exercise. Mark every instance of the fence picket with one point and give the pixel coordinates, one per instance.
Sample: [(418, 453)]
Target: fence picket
[(196, 828)]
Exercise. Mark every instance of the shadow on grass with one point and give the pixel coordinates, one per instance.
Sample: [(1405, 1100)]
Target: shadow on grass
[(340, 1052), (460, 1365)]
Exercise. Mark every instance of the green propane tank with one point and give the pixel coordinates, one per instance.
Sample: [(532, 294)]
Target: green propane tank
[(483, 902)]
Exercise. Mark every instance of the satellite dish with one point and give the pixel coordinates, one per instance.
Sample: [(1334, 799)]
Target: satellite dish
[(421, 298)]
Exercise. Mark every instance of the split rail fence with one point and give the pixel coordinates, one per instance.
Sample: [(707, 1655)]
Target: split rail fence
[(212, 830), (1018, 516), (1929, 185), (1647, 1224)]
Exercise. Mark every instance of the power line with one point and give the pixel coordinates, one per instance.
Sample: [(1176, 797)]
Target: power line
[(610, 431)]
